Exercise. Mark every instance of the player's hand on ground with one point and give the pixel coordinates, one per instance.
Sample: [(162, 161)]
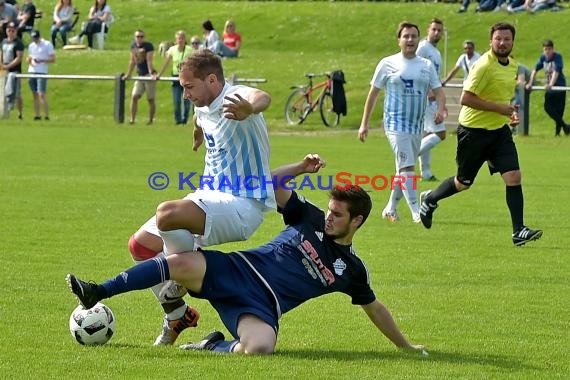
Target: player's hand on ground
[(362, 133), (237, 108), (312, 163)]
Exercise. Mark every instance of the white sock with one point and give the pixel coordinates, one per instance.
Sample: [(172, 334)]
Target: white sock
[(176, 313), (428, 143), (176, 241), (156, 288), (395, 195), (411, 192)]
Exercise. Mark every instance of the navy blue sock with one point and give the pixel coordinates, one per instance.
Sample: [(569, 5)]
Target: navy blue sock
[(445, 189), (515, 201), (225, 346), (141, 276)]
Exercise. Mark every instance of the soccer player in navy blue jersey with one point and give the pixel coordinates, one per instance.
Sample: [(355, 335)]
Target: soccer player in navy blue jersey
[(252, 289)]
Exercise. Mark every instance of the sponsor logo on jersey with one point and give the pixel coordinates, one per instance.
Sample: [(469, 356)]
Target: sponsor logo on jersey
[(326, 273)]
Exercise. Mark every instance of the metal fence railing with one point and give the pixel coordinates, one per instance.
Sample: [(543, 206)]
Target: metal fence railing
[(524, 125), (119, 88)]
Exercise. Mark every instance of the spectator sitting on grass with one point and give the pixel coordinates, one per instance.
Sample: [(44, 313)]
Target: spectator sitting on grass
[(211, 36), (231, 44)]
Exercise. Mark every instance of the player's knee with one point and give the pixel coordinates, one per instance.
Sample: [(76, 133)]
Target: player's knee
[(512, 178), (165, 214), (138, 251), (180, 265), (257, 347)]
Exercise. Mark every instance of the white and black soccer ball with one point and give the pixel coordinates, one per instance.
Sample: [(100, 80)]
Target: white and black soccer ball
[(92, 326)]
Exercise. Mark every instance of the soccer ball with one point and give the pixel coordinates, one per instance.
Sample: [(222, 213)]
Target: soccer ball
[(92, 326)]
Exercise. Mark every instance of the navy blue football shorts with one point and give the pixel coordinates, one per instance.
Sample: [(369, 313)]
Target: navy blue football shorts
[(234, 289)]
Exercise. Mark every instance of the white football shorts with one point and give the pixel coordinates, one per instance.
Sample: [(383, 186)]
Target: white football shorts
[(405, 147), (228, 218), (429, 125)]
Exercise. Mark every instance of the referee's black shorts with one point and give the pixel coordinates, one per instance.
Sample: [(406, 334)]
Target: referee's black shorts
[(476, 145)]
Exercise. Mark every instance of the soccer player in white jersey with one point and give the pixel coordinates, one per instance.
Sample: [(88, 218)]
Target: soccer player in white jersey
[(406, 79), (434, 132), (464, 62), (229, 121)]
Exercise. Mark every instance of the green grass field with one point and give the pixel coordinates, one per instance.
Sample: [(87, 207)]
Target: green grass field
[(74, 190)]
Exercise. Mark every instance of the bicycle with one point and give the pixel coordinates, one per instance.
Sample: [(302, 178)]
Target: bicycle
[(300, 103)]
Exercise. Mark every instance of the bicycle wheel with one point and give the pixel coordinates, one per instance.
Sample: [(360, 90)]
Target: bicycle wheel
[(330, 118), (296, 107)]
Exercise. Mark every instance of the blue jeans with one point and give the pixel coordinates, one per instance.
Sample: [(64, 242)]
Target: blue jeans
[(62, 30), (181, 117), (221, 49)]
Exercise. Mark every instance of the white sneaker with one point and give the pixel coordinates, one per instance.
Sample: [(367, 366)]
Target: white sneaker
[(391, 216), (171, 291), (74, 40)]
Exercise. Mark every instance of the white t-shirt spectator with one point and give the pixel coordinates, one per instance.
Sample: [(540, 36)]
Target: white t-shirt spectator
[(39, 51)]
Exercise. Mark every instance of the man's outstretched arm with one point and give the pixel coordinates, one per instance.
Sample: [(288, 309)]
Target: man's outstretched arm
[(312, 163)]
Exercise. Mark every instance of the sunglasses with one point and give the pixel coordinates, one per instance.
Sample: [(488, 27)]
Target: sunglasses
[(195, 43), (139, 36)]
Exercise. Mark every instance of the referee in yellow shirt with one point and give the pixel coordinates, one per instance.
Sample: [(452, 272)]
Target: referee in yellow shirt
[(484, 135)]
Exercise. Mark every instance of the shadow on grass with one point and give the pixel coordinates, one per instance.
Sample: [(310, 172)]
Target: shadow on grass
[(434, 356)]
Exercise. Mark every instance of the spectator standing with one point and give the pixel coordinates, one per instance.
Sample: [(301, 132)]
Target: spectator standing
[(434, 133), (483, 134), (99, 13), (26, 17), (62, 20), (464, 62), (176, 55), (231, 44), (11, 55), (211, 36), (8, 14), (40, 54), (406, 79), (554, 101), (141, 56)]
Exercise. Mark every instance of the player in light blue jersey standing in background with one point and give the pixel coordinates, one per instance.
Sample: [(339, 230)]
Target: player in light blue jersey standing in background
[(406, 79), (228, 120), (434, 132)]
